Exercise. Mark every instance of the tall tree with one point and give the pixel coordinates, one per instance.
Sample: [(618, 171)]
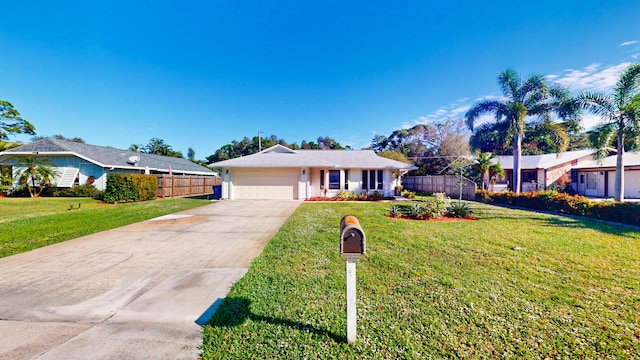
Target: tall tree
[(35, 173), (620, 111), (431, 146), (60, 137), (11, 123), (157, 146), (522, 99)]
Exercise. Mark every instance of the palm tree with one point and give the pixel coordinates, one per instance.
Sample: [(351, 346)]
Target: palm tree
[(621, 113), (482, 165), (495, 172), (486, 167), (35, 169), (531, 98)]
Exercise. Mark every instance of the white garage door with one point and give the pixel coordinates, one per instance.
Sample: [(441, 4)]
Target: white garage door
[(277, 184)]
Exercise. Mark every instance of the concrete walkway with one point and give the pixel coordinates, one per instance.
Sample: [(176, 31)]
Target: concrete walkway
[(137, 292)]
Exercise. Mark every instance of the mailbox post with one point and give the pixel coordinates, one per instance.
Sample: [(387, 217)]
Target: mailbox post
[(352, 247)]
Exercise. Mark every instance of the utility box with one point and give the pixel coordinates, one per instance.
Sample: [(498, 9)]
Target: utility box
[(353, 242)]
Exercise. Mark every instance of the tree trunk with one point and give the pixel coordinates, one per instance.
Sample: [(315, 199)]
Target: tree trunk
[(619, 185), (517, 154), (32, 190), (485, 179)]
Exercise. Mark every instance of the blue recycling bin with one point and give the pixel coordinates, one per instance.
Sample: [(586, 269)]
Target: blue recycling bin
[(217, 192)]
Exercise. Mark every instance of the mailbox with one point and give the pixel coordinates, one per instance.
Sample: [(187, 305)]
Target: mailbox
[(353, 243)]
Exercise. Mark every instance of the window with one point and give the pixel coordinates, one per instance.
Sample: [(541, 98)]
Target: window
[(334, 179), (528, 176), (574, 176), (372, 180), (365, 182), (346, 179), (321, 179)]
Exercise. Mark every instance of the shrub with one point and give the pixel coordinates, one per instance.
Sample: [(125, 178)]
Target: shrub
[(377, 195), (85, 190), (343, 195), (346, 195), (408, 194), (395, 211), (459, 210), (436, 207), (417, 211), (484, 196), (554, 201), (127, 187)]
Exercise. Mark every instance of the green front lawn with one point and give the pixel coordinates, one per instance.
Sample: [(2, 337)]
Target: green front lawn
[(27, 224), (512, 284)]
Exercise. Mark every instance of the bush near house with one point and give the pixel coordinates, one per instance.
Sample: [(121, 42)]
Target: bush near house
[(128, 187), (85, 190), (554, 201)]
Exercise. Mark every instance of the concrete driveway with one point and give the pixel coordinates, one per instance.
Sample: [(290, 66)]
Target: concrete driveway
[(137, 292)]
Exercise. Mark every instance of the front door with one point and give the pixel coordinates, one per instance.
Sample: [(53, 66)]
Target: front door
[(591, 187)]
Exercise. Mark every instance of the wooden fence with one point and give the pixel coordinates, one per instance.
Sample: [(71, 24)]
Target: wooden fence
[(184, 185), (448, 184)]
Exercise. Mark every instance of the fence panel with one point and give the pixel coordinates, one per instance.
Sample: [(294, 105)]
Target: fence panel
[(448, 184), (185, 185)]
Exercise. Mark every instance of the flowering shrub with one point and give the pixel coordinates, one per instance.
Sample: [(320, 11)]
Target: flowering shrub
[(346, 195), (551, 200)]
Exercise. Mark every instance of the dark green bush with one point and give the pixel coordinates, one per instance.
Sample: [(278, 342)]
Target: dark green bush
[(130, 187), (551, 200), (85, 190)]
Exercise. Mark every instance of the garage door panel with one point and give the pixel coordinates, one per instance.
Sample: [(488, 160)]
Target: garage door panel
[(265, 184)]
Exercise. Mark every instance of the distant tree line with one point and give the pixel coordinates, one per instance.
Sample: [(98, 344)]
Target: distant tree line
[(248, 146)]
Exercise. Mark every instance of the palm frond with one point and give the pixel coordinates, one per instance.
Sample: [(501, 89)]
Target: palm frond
[(482, 107), (534, 90), (628, 84), (602, 138), (597, 103), (509, 82)]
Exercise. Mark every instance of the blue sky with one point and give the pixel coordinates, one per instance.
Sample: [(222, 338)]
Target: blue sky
[(202, 73)]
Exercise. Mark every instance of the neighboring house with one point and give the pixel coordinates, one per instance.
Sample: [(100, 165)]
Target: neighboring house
[(78, 163), (597, 177), (281, 173), (541, 171)]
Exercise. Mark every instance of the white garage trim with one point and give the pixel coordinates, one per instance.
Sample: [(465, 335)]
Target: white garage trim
[(267, 184)]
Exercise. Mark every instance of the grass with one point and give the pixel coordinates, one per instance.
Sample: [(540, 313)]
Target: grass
[(27, 224), (513, 284)]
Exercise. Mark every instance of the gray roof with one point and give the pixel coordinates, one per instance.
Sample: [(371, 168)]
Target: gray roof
[(279, 156), (628, 158), (544, 161), (107, 157)]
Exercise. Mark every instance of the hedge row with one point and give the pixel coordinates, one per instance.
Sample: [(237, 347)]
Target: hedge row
[(551, 200), (128, 187)]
